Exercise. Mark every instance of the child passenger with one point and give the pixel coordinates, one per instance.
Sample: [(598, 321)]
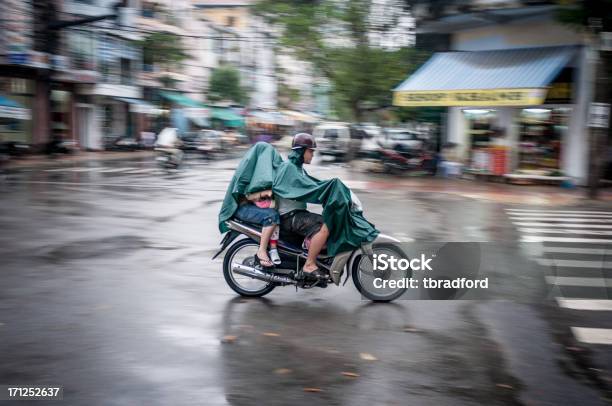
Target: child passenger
[(259, 208)]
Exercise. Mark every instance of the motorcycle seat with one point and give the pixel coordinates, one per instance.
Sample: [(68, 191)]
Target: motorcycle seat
[(257, 227)]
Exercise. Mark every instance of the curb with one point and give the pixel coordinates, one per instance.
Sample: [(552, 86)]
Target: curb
[(44, 163)]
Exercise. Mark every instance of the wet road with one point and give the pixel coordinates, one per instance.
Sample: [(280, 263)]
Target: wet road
[(108, 289)]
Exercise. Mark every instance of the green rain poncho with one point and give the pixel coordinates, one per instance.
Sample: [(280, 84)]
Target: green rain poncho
[(263, 168)]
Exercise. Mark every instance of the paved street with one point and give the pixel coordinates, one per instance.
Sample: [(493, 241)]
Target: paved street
[(108, 289)]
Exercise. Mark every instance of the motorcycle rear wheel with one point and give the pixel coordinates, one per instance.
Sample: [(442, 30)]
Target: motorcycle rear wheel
[(242, 251), (357, 271)]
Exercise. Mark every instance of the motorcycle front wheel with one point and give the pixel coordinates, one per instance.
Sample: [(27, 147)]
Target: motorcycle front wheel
[(363, 275), (243, 252)]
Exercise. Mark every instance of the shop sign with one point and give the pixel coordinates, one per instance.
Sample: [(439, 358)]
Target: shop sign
[(17, 113), (599, 115), (484, 97), (18, 58)]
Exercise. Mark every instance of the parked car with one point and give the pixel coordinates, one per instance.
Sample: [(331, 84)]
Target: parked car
[(191, 140), (337, 139), (372, 141), (121, 143), (15, 149), (211, 142), (401, 140)]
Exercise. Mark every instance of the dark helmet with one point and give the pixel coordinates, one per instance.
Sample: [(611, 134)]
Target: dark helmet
[(303, 140)]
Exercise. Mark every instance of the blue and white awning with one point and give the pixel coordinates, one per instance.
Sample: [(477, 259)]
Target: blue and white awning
[(512, 77)]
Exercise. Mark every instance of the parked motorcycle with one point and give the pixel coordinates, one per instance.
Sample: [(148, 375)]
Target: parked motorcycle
[(247, 279), (398, 162)]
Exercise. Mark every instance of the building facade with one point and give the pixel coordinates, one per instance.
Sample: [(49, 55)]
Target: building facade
[(519, 92), (240, 39)]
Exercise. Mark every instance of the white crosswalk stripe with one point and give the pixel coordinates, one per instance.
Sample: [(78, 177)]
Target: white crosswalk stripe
[(537, 238), (563, 219), (593, 335), (576, 251), (557, 211), (561, 215), (572, 263), (586, 304), (582, 231), (577, 281), (566, 225), (573, 250)]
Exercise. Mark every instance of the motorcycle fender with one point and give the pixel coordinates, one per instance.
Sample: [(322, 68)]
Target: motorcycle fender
[(381, 238), (226, 241), (337, 266)]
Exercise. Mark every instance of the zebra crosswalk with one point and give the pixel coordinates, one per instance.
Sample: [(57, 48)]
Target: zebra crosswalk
[(576, 251)]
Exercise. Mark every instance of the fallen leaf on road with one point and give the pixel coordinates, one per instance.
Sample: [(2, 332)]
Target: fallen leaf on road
[(503, 385), (350, 374), (228, 339), (282, 371), (271, 334), (368, 357), (312, 390)]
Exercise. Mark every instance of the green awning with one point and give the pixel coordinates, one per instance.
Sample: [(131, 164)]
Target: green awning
[(181, 99), (229, 118)]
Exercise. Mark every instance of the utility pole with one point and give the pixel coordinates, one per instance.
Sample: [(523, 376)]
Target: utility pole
[(598, 134)]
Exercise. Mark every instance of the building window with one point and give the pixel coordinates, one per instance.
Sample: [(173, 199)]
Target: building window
[(126, 71), (81, 50), (230, 21), (148, 10)]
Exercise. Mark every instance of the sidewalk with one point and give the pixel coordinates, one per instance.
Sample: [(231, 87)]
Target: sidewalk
[(532, 195), (43, 161)]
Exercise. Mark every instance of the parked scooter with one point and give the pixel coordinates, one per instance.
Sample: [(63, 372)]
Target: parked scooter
[(57, 145), (399, 162)]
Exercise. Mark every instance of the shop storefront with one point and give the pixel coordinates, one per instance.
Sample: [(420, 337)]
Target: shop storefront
[(16, 104), (510, 111)]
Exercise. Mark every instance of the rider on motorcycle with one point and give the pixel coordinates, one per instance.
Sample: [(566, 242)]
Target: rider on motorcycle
[(294, 218), (168, 142)]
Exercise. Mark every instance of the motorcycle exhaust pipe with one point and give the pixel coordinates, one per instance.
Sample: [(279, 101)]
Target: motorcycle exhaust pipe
[(257, 274)]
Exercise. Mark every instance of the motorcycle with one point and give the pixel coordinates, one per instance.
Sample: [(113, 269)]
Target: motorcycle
[(168, 158), (247, 279), (399, 162)]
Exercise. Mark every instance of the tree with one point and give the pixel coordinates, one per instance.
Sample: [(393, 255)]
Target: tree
[(287, 95), (225, 85), (163, 48), (360, 46)]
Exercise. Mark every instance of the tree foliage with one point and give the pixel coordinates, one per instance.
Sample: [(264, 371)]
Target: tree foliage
[(586, 14), (360, 46), (225, 85), (163, 48)]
